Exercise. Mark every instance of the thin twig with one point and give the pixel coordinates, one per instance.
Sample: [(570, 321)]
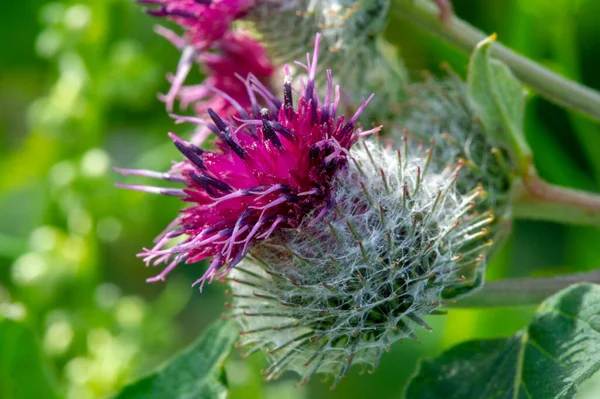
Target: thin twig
[(522, 291), (536, 199)]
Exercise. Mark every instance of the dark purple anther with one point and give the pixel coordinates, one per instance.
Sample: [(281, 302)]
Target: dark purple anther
[(183, 13), (347, 129), (226, 137), (204, 181), (190, 152), (279, 128), (313, 153), (217, 120), (225, 134), (288, 100), (269, 133), (161, 12)]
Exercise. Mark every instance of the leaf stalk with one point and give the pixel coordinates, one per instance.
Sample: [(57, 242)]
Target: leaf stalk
[(552, 86), (530, 291)]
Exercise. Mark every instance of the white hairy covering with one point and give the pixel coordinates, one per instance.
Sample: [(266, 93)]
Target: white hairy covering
[(351, 45), (339, 291)]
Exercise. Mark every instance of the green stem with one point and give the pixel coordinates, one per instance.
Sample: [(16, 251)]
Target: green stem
[(522, 291), (550, 85), (535, 199)]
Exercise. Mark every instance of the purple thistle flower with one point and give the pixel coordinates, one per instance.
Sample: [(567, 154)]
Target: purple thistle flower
[(274, 166)]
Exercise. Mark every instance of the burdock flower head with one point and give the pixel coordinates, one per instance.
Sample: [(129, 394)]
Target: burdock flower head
[(273, 168), (401, 239)]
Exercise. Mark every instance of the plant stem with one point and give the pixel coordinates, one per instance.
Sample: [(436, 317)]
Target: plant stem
[(550, 85), (533, 198), (522, 291)]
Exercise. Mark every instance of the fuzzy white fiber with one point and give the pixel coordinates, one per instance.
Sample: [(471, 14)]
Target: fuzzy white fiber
[(341, 290), (351, 45), (439, 110)]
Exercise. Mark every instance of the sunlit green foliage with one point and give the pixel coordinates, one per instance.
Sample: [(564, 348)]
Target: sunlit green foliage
[(78, 84)]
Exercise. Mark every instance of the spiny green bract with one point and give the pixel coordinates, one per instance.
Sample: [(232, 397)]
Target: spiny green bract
[(289, 26), (351, 44), (399, 240), (439, 110)]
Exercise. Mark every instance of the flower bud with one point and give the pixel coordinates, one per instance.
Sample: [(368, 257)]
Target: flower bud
[(400, 239), (351, 44)]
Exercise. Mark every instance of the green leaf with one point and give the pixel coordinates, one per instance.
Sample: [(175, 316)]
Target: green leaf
[(498, 100), (23, 374), (548, 359), (197, 372)]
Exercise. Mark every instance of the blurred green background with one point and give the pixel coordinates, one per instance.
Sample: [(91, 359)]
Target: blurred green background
[(78, 84)]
